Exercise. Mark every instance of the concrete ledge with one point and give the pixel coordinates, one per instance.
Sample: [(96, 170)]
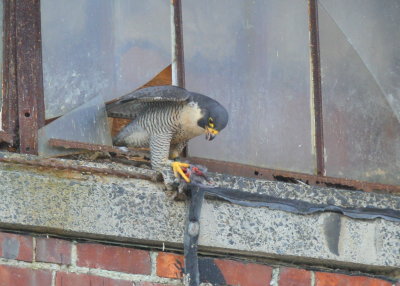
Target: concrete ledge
[(95, 206)]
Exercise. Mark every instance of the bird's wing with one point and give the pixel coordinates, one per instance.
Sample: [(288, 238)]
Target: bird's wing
[(132, 103)]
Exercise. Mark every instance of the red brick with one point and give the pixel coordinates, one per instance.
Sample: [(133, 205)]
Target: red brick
[(237, 273), (15, 276), (170, 265), (294, 277), (53, 250), (15, 246), (333, 279), (114, 258), (73, 279)]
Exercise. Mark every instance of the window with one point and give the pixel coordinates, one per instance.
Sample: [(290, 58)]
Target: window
[(255, 60), (360, 65), (1, 47), (325, 105), (101, 48)]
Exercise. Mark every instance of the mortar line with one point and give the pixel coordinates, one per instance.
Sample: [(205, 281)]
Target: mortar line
[(312, 278), (34, 249), (74, 253), (92, 271), (30, 265), (275, 277), (153, 260), (53, 278)]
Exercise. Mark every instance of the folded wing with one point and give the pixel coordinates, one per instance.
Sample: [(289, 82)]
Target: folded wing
[(129, 105)]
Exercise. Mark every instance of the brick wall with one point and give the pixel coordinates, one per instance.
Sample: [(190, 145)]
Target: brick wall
[(36, 261)]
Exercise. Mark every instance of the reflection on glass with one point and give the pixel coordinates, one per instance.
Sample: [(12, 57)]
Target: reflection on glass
[(1, 54), (87, 123), (360, 61), (101, 47), (254, 59)]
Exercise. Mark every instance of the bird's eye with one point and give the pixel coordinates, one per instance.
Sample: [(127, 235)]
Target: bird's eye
[(211, 122)]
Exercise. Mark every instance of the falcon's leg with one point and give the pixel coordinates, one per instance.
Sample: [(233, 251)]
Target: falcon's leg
[(159, 151), (174, 153), (176, 149)]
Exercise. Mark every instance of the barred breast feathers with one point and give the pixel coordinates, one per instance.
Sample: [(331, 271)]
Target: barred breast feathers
[(160, 117)]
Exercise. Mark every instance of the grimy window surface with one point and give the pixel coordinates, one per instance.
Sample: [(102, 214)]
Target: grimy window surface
[(253, 57), (360, 64), (101, 47), (1, 53)]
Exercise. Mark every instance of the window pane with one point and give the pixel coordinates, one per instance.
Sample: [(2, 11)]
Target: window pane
[(253, 57), (88, 123), (360, 59), (1, 53), (101, 47)]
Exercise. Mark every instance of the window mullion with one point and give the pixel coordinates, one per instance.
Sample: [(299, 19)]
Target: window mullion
[(316, 91), (10, 101)]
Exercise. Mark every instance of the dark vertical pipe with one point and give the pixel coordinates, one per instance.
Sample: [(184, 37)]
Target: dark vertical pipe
[(316, 86), (192, 275), (178, 66), (178, 60), (29, 74)]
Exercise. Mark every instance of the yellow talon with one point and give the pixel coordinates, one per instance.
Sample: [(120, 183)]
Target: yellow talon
[(177, 168)]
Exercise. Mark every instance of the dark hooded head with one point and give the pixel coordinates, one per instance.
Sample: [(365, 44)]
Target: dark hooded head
[(215, 117)]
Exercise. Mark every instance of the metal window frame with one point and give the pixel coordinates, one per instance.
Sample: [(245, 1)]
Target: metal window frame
[(10, 101), (23, 98), (23, 105)]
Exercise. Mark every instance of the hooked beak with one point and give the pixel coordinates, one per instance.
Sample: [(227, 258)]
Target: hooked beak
[(210, 133)]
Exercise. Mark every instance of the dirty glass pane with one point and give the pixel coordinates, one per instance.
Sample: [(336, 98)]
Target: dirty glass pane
[(253, 57), (87, 123), (360, 61), (101, 47), (1, 54)]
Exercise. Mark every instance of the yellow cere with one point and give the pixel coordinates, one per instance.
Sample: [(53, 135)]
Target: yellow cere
[(212, 131)]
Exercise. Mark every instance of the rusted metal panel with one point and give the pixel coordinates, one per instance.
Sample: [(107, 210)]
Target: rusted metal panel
[(316, 87), (83, 166), (292, 177), (96, 147), (29, 74), (178, 66), (10, 99), (6, 137)]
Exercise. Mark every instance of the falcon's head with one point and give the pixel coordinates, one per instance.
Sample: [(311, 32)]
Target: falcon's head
[(214, 115)]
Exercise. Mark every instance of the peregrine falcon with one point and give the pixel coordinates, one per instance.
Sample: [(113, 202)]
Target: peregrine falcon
[(164, 119)]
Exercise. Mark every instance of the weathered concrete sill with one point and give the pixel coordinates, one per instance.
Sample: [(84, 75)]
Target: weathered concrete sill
[(140, 211)]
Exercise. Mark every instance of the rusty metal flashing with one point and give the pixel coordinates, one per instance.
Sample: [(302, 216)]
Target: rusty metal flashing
[(6, 137), (316, 87), (29, 74), (246, 170), (96, 147), (292, 177), (83, 166)]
